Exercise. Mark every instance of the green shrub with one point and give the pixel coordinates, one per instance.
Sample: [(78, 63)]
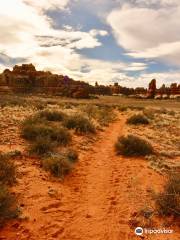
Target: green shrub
[(52, 115), (8, 207), (133, 146), (79, 123), (137, 119), (168, 202), (59, 166), (7, 170)]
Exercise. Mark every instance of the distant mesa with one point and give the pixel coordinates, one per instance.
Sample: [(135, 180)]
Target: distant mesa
[(26, 79)]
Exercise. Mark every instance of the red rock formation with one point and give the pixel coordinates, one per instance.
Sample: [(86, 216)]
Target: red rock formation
[(25, 79), (152, 89), (174, 89)]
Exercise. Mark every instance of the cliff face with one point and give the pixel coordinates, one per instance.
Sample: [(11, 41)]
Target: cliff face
[(25, 79)]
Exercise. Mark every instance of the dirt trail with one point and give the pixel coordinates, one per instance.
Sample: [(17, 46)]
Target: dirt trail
[(94, 202)]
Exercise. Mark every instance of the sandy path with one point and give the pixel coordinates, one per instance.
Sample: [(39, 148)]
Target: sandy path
[(94, 202)]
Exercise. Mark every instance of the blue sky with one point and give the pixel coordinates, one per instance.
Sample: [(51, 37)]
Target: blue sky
[(129, 41)]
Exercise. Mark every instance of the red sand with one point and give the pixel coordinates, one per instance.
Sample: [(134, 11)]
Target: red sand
[(94, 202)]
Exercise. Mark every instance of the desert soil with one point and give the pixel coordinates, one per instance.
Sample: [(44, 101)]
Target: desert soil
[(96, 201)]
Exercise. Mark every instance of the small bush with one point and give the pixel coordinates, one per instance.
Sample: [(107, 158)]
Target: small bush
[(59, 166), (102, 113), (8, 207), (122, 109), (34, 131), (7, 170), (72, 155), (52, 115), (79, 123), (137, 119), (105, 115), (133, 146), (149, 113), (61, 136), (41, 146), (168, 202)]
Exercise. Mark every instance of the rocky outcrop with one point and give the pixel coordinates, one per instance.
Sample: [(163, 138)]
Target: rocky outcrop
[(175, 89), (26, 79), (152, 89)]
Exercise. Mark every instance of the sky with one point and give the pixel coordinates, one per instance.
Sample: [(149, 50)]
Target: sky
[(124, 41)]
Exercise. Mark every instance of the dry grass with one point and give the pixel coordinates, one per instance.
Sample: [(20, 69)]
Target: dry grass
[(8, 208), (80, 123), (7, 170), (54, 116), (168, 202)]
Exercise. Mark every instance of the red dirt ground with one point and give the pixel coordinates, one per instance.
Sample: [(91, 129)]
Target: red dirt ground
[(94, 202)]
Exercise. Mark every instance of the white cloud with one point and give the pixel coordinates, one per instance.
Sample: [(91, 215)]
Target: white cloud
[(147, 32), (96, 32), (27, 32), (136, 66), (24, 30), (47, 4)]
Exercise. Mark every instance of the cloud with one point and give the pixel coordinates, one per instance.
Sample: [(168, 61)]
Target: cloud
[(25, 29), (136, 66), (146, 32), (47, 4)]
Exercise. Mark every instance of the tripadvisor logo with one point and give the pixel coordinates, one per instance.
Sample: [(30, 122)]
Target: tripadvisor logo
[(139, 231)]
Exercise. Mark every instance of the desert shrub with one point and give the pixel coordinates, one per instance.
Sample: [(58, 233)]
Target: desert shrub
[(72, 155), (137, 119), (60, 135), (133, 146), (149, 113), (39, 106), (80, 123), (32, 131), (105, 115), (138, 108), (35, 119), (7, 170), (52, 115), (51, 102), (59, 166), (14, 154), (8, 207), (41, 146), (90, 110), (12, 101), (168, 202), (122, 108)]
